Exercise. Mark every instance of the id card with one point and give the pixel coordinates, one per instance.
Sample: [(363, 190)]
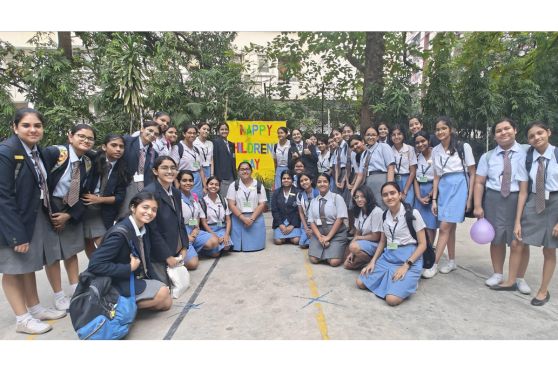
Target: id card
[(196, 165), (246, 204), (193, 222), (423, 179), (42, 194), (392, 245), (397, 177), (138, 177), (546, 195), (219, 224)]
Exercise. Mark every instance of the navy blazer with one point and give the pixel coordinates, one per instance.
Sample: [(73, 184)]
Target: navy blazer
[(282, 209), (112, 258), (115, 187), (224, 165), (20, 199), (310, 161), (131, 159), (168, 226), (55, 172)]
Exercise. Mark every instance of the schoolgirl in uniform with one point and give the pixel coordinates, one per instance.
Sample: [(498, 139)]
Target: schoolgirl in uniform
[(224, 159), (247, 204), (394, 271), (113, 257), (24, 221), (377, 166), (105, 191), (536, 220), (452, 190), (358, 147), (170, 147), (217, 220), (162, 144), (405, 164), (281, 155), (139, 156), (329, 233), (416, 126), (206, 148), (308, 191), (298, 170), (368, 223), (284, 209), (69, 167), (383, 133), (301, 150), (200, 241), (192, 159), (423, 183), (333, 146), (497, 184), (169, 238), (343, 164)]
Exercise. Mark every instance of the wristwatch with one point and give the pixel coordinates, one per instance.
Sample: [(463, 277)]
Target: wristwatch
[(410, 263)]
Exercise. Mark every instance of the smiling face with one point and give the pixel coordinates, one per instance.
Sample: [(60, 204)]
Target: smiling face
[(244, 171), (166, 172), (347, 133), (421, 143), (391, 197), (163, 121), (414, 125), (360, 199), (371, 136), (397, 137), (383, 131), (190, 135), (114, 149), (538, 137), (299, 167), (357, 146), (224, 131), (82, 141), (504, 134), (171, 135), (281, 134), (322, 184), (149, 134), (29, 130), (332, 143), (296, 135), (322, 146), (186, 183), (443, 131), (337, 136), (144, 212), (204, 131), (213, 186), (305, 183), (286, 180)]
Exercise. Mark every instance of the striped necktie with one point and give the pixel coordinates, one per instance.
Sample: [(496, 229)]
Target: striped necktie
[(72, 197), (539, 188), (506, 175)]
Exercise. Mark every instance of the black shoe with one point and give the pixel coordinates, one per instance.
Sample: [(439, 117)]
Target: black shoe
[(498, 287), (537, 302)]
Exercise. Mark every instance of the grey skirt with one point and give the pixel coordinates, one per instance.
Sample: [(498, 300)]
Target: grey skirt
[(374, 183), (500, 212), (152, 287), (536, 229), (93, 226), (160, 271), (15, 263), (337, 245), (69, 241)]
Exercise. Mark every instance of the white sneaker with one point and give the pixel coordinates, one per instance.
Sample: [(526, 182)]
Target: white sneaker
[(62, 303), (32, 326), (429, 273), (495, 279), (522, 286), (49, 314), (448, 268)]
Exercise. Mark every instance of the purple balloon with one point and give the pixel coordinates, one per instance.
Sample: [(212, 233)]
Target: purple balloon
[(482, 231)]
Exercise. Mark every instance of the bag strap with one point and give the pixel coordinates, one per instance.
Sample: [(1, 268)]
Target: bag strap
[(132, 286)]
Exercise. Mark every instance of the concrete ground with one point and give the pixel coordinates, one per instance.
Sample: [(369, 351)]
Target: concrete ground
[(276, 294)]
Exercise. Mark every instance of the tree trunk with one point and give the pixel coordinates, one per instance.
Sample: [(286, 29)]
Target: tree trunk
[(373, 76), (65, 43)]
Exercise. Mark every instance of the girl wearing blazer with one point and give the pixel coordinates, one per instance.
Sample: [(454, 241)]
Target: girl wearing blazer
[(286, 220), (69, 167), (105, 191), (139, 156), (118, 256), (281, 155), (169, 238), (224, 166), (24, 221), (301, 150)]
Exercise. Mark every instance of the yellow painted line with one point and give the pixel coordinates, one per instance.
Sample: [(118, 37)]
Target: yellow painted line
[(33, 337), (320, 316)]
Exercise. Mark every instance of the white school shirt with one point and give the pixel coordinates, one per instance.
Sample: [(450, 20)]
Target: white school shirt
[(191, 209), (41, 165), (493, 168), (246, 194), (304, 203), (324, 164), (404, 159), (425, 167), (340, 151), (551, 170), (396, 230), (63, 185), (381, 157), (355, 166), (444, 163), (281, 154), (335, 208), (206, 151), (216, 211), (371, 223), (191, 159)]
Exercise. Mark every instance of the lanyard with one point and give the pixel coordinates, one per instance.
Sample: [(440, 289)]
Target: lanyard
[(398, 166), (205, 153), (392, 232), (323, 162), (187, 201), (217, 212), (282, 151), (192, 154), (445, 163), (361, 224), (306, 200), (247, 196)]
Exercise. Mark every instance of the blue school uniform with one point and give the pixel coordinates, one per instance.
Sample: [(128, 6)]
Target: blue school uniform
[(192, 212), (303, 201), (215, 214), (192, 160), (405, 158), (425, 178)]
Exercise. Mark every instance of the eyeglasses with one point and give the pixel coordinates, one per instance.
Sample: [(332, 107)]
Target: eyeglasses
[(166, 169), (358, 197), (84, 138), (244, 170)]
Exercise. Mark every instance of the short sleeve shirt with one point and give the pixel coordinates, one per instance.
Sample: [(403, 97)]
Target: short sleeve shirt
[(216, 211), (425, 167), (491, 166), (404, 159), (247, 197), (446, 163), (335, 208), (281, 154), (396, 230), (206, 150), (381, 157), (371, 223)]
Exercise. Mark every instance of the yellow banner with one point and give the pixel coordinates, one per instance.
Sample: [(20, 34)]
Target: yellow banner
[(253, 142)]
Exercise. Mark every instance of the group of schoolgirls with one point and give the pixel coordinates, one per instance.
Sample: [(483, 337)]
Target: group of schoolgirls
[(435, 177)]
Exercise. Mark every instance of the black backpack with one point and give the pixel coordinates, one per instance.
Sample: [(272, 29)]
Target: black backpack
[(258, 186), (429, 255), (203, 204)]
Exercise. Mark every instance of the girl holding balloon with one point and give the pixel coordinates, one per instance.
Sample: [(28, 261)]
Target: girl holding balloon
[(499, 176)]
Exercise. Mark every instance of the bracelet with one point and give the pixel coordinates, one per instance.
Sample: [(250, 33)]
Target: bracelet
[(434, 199)]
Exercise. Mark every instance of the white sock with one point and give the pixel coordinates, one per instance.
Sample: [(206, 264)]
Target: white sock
[(73, 288), (36, 309), (59, 295), (24, 317)]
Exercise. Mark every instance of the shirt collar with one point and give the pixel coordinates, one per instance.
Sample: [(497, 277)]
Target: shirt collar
[(139, 232), (27, 149), (547, 154), (514, 148), (73, 156)]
